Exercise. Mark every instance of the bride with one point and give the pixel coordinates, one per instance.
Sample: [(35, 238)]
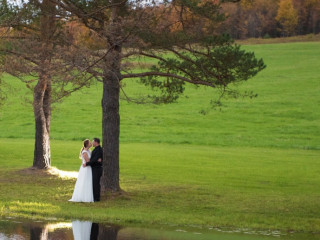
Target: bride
[(83, 191)]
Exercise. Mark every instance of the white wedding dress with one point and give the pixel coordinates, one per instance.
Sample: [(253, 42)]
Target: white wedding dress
[(83, 190)]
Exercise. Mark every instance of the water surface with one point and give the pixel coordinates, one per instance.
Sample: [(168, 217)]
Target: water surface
[(17, 229)]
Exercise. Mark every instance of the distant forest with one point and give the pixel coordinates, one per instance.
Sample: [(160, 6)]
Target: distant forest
[(271, 18)]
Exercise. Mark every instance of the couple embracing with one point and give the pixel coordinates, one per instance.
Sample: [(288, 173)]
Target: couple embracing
[(87, 188)]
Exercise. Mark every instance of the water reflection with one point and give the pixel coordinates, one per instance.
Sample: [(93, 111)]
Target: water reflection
[(92, 231), (77, 230), (84, 230), (40, 231), (81, 230)]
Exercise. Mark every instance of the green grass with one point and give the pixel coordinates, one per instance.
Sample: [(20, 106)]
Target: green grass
[(286, 113), (253, 164), (176, 184)]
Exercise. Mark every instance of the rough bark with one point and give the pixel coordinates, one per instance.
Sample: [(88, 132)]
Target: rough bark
[(42, 91), (42, 115), (110, 110), (111, 132)]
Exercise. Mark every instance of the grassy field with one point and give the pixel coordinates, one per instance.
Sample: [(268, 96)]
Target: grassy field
[(253, 164), (286, 113), (176, 184)]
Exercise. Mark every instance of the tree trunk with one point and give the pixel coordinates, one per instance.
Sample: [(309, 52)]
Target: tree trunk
[(110, 109), (42, 91), (42, 115), (110, 132)]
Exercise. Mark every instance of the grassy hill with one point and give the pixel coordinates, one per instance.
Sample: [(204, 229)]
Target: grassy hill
[(253, 164), (286, 113)]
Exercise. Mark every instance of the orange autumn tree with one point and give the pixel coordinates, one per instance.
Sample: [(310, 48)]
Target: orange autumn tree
[(287, 16)]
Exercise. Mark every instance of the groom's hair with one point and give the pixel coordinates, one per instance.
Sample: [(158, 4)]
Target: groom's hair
[(97, 140)]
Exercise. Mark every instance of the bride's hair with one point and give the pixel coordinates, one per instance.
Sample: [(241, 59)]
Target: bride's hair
[(85, 144)]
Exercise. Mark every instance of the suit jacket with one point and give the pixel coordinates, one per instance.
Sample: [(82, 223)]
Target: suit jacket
[(95, 155)]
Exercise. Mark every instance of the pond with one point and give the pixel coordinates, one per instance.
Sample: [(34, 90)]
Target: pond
[(17, 229)]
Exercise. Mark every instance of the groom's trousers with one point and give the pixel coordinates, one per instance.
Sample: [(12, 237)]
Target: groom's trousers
[(96, 175)]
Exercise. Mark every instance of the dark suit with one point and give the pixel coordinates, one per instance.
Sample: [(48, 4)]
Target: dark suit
[(96, 171)]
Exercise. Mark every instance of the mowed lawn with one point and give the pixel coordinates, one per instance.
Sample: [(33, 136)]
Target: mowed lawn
[(237, 187), (285, 114), (255, 163)]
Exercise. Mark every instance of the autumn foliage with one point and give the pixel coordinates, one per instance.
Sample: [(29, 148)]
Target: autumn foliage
[(271, 18)]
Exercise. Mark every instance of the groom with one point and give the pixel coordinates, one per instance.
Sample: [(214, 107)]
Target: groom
[(96, 165)]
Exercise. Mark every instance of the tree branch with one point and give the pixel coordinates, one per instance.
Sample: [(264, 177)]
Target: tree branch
[(161, 74), (19, 55), (164, 60)]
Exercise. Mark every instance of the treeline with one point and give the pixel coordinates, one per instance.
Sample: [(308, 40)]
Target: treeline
[(271, 18)]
